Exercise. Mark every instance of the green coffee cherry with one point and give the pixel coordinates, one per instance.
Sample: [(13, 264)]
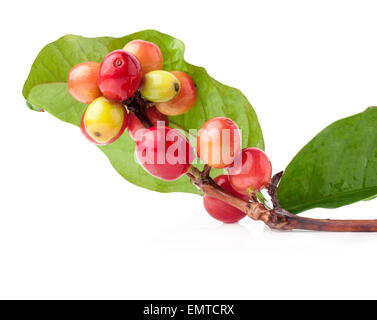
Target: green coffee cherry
[(160, 86)]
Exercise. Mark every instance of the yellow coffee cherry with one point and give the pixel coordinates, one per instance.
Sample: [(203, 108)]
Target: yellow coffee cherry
[(160, 86), (104, 121)]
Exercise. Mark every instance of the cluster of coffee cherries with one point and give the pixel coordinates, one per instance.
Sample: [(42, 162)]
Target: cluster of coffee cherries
[(164, 152)]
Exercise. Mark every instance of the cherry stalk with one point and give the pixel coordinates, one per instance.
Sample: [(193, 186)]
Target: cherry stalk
[(276, 218), (137, 105)]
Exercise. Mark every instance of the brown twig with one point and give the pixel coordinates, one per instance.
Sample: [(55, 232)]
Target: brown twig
[(273, 187), (253, 196), (205, 173), (277, 218), (137, 105)]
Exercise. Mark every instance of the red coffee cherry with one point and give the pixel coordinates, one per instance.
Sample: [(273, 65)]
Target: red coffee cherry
[(119, 75)]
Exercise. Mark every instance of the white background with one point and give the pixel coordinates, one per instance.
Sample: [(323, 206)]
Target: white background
[(71, 227)]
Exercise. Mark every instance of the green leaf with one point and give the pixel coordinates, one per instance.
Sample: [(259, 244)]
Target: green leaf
[(34, 108), (336, 168), (46, 88), (370, 198)]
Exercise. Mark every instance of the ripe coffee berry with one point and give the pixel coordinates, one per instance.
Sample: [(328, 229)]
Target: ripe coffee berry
[(135, 128), (251, 171), (221, 210), (164, 152), (218, 142), (148, 53), (82, 81), (119, 75)]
